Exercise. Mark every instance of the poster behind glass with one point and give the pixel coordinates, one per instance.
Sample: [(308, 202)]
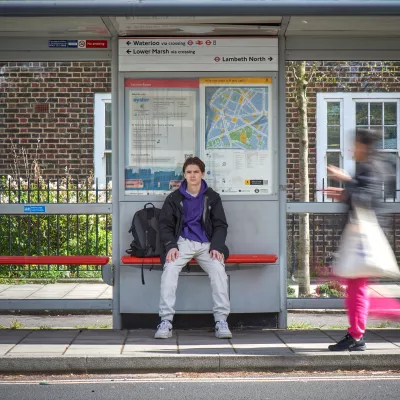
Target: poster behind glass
[(162, 120), (236, 134)]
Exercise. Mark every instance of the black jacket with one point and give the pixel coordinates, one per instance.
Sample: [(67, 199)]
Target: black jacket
[(365, 189), (214, 222)]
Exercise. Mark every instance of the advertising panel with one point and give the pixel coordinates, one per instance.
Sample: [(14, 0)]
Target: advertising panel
[(162, 122)]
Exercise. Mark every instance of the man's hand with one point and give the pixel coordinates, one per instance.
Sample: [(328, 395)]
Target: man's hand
[(172, 255), (338, 174), (335, 193), (214, 254)]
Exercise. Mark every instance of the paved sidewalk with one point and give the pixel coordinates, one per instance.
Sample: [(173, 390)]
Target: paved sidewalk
[(60, 291), (134, 351), (100, 291)]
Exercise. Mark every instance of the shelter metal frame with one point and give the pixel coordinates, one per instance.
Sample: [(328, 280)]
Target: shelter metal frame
[(291, 48)]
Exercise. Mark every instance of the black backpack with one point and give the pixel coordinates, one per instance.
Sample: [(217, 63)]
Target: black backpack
[(146, 233)]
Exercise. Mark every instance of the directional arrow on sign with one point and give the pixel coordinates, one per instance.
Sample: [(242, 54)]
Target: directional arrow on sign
[(129, 51), (128, 43), (270, 58)]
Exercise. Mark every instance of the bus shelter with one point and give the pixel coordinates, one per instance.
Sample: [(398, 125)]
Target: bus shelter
[(203, 78)]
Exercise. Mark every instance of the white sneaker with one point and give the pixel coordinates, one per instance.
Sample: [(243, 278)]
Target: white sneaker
[(164, 330), (222, 330)]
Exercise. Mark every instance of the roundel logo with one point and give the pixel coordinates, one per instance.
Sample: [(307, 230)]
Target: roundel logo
[(82, 43), (217, 59), (190, 42), (257, 190), (208, 42)]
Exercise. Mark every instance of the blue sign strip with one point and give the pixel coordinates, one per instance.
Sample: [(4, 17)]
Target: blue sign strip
[(34, 209), (63, 43)]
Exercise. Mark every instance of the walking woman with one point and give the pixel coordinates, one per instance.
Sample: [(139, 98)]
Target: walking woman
[(363, 191)]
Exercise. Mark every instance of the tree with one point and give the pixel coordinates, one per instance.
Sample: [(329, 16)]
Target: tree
[(301, 82)]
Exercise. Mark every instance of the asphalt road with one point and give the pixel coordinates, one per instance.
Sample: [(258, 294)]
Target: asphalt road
[(228, 387)]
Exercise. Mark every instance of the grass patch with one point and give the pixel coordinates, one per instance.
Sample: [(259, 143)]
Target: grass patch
[(382, 325), (11, 281), (95, 326), (336, 327), (299, 325), (45, 327), (16, 324)]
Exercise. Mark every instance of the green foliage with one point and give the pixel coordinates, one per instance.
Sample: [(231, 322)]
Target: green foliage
[(330, 289), (52, 234), (291, 292)]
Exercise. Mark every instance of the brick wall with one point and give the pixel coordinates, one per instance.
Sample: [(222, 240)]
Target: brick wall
[(60, 138), (63, 137)]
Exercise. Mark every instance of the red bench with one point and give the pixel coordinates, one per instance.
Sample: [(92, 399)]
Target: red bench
[(54, 260), (233, 259)]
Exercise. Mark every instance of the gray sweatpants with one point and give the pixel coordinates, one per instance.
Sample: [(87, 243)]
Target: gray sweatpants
[(189, 249)]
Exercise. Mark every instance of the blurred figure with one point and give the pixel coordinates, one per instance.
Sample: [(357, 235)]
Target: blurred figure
[(364, 190)]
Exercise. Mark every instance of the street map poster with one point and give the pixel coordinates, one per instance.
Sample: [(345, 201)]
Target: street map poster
[(162, 122), (236, 134)]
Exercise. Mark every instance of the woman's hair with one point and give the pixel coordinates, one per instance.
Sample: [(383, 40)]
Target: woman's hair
[(368, 137), (194, 161)]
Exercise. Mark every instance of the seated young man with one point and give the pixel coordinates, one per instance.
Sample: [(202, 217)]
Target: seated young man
[(193, 225)]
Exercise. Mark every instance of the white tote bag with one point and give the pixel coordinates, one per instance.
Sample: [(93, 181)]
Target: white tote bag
[(364, 250)]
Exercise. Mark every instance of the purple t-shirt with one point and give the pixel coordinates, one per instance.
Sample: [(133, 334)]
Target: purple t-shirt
[(193, 212)]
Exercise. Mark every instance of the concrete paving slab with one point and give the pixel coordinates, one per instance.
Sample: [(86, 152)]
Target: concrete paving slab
[(19, 292), (102, 334), (39, 349), (147, 336), (206, 349), (4, 287), (94, 349), (107, 294), (261, 349), (145, 349), (13, 335), (261, 343), (386, 290), (4, 348)]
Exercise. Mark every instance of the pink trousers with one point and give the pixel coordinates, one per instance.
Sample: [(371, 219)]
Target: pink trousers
[(357, 305)]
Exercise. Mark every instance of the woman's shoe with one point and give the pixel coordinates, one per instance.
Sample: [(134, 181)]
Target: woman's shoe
[(349, 343)]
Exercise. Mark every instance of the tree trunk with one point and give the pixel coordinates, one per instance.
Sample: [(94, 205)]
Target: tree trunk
[(304, 224)]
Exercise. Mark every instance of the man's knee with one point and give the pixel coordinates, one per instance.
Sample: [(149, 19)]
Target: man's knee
[(217, 268)]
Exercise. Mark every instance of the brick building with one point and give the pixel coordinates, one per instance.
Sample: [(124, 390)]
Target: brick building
[(47, 114), (59, 113)]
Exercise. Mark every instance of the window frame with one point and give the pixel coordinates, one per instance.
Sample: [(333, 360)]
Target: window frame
[(100, 99), (347, 131)]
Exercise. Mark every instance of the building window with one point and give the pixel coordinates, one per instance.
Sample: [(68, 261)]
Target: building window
[(338, 115), (102, 138)]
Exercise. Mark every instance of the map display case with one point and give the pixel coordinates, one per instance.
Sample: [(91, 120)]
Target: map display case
[(235, 134)]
